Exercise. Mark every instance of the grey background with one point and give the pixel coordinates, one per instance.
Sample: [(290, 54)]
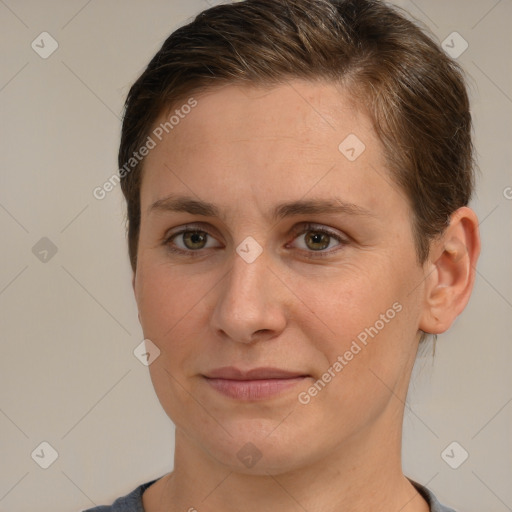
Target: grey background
[(69, 324)]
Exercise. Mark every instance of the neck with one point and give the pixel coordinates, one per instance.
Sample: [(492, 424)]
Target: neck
[(362, 473)]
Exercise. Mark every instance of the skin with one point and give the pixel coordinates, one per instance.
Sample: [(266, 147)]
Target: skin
[(247, 149)]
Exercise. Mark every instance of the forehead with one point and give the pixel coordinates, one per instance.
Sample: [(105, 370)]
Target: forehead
[(296, 111), (281, 140)]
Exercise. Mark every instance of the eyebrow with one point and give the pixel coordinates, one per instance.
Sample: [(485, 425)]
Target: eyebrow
[(281, 211)]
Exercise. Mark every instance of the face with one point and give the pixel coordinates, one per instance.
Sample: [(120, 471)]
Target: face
[(277, 275)]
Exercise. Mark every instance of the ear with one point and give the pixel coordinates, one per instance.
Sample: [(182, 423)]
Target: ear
[(451, 272)]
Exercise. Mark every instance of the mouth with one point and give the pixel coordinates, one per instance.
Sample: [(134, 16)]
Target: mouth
[(254, 384)]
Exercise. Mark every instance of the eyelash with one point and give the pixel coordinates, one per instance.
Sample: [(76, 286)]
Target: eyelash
[(297, 232)]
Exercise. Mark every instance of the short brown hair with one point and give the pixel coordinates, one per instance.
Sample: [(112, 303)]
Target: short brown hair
[(414, 93)]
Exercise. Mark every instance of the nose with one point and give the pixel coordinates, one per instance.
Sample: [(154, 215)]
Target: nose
[(251, 302)]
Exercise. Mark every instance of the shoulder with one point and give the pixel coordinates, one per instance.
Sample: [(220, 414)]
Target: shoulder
[(132, 502), (434, 504)]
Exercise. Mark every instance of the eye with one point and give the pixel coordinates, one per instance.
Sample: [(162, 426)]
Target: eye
[(317, 239), (313, 239), (189, 240)]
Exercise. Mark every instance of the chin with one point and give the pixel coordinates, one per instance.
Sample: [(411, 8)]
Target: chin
[(257, 447)]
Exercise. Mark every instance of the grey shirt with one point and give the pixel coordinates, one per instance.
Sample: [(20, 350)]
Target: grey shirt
[(133, 502)]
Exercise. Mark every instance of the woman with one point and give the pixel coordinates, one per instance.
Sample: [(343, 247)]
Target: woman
[(297, 175)]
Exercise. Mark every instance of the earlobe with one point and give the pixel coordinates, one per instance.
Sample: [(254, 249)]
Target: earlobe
[(451, 273)]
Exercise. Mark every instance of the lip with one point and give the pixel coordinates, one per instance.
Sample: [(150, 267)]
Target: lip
[(233, 373), (253, 384)]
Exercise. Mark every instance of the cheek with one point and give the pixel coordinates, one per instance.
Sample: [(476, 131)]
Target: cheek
[(174, 307), (167, 301), (346, 301), (364, 314), (164, 297), (363, 335)]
